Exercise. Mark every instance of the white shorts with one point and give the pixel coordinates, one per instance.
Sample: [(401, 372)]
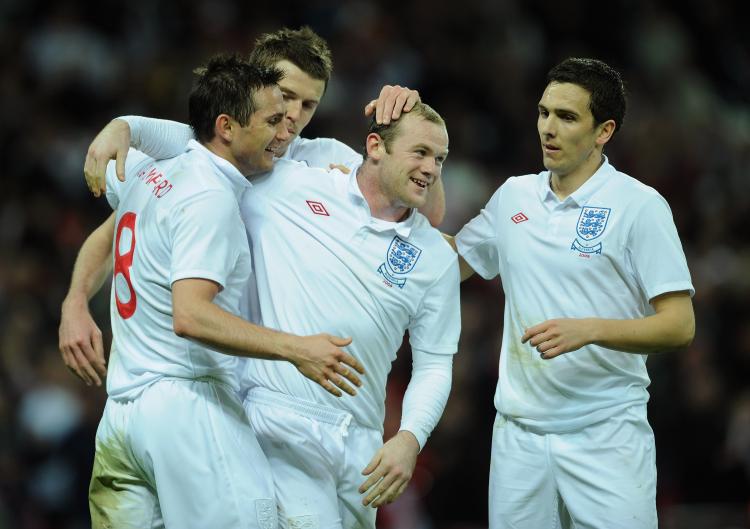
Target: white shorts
[(181, 455), (317, 455), (601, 476)]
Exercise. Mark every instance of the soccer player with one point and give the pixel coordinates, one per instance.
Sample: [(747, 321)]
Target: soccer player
[(350, 254), (174, 447), (595, 279), (305, 59)]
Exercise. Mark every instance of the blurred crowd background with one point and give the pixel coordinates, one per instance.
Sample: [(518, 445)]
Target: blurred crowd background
[(69, 67)]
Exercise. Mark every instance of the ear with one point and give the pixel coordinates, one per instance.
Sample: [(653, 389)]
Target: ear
[(223, 127), (606, 130), (375, 146)]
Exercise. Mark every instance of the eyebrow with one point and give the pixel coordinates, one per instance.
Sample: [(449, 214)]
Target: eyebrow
[(428, 148), (558, 111)]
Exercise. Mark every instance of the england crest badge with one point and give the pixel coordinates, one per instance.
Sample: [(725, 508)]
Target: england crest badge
[(400, 259), (591, 224)]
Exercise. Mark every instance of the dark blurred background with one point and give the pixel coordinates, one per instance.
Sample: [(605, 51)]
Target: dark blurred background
[(67, 68)]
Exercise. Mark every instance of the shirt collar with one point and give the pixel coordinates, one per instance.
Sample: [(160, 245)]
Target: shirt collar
[(580, 196), (236, 179), (402, 228)]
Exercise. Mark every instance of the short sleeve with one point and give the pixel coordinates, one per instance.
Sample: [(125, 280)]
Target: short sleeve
[(655, 250), (207, 236), (477, 241), (437, 325)]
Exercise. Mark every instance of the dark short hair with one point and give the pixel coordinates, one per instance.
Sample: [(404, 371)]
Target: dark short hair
[(601, 81), (226, 85), (302, 47), (390, 131)]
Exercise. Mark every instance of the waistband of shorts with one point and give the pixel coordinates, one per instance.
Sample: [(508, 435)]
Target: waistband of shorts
[(303, 407)]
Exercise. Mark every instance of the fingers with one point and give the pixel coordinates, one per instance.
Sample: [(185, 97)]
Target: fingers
[(352, 362), (329, 387), (398, 105), (370, 107), (370, 482), (100, 363), (412, 99), (390, 494), (386, 102), (372, 465), (349, 374), (379, 494), (85, 367), (552, 352), (73, 360), (90, 363), (344, 169), (119, 167)]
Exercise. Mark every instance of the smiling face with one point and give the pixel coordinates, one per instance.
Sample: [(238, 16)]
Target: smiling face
[(252, 147), (302, 94), (412, 162), (571, 141)]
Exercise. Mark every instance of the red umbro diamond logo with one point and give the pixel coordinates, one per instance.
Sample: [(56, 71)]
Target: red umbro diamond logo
[(317, 208), (519, 217)]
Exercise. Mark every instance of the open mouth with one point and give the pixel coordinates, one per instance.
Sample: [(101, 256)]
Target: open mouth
[(419, 183)]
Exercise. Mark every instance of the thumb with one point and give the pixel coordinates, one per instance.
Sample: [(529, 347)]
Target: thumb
[(338, 341), (120, 165), (370, 107)]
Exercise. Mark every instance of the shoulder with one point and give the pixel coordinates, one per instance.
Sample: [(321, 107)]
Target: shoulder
[(517, 188), (431, 238), (625, 188), (320, 152), (292, 169), (194, 178)]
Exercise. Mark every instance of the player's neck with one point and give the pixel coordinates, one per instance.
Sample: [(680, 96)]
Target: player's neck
[(564, 185), (380, 205)]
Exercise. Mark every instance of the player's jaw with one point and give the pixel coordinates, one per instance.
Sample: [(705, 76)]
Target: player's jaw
[(416, 188)]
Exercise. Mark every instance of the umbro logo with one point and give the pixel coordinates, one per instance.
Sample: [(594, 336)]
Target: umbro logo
[(318, 208), (519, 217)]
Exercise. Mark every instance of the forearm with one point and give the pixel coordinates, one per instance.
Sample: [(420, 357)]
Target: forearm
[(208, 323), (426, 394), (652, 334), (158, 138), (93, 264), (434, 209)]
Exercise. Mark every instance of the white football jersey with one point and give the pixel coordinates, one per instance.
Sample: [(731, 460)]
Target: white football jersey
[(323, 264), (176, 219), (321, 152), (605, 252)]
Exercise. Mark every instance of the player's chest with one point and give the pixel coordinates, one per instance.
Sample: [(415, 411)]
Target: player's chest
[(337, 241), (581, 239)]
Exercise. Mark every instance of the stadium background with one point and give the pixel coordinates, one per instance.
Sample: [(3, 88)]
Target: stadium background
[(67, 69)]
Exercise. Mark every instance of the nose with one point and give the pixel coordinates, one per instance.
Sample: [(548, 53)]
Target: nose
[(293, 110), (546, 126), (282, 133), (430, 168)]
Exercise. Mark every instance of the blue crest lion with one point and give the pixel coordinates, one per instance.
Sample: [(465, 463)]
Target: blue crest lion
[(592, 222), (401, 258)]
